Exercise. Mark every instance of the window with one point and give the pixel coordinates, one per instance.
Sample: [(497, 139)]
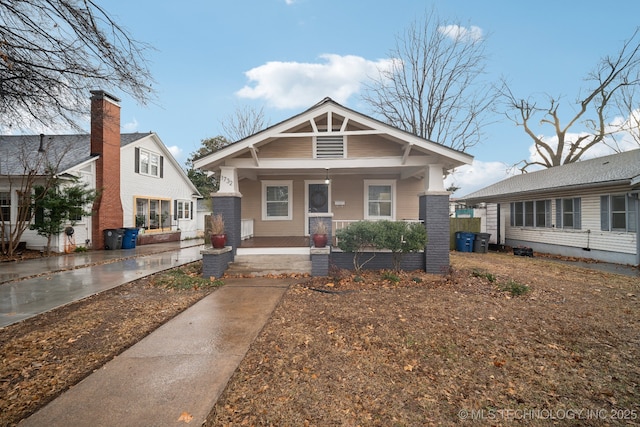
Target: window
[(379, 199), (5, 206), (153, 214), (568, 213), (531, 213), (329, 147), (183, 209), (277, 199), (618, 213), (148, 163)]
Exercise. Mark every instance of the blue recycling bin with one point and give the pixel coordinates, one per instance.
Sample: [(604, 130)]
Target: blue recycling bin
[(464, 241), (129, 238)]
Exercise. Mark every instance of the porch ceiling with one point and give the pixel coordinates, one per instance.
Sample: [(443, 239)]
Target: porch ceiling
[(402, 172)]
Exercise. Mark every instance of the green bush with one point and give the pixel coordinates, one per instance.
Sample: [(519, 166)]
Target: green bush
[(399, 237)]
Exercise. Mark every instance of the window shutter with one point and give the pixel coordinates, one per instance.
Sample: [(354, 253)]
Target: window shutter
[(191, 210), (559, 213), (137, 160), (547, 213), (632, 214), (329, 147), (175, 210), (604, 213), (161, 166), (512, 208), (577, 215)]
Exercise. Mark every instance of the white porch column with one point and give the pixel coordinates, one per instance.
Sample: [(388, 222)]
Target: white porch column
[(434, 179), (228, 180)]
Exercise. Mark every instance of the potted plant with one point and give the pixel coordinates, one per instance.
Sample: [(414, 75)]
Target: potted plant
[(319, 235), (218, 237)]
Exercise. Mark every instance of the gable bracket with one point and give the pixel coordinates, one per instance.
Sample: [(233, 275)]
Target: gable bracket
[(405, 155), (254, 154)]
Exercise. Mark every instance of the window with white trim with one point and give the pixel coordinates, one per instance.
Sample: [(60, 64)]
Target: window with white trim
[(379, 199), (535, 213), (568, 213), (5, 206), (148, 163), (277, 200), (618, 213), (183, 209)]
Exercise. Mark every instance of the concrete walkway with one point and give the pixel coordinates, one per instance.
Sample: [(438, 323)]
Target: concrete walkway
[(177, 373), (172, 376)]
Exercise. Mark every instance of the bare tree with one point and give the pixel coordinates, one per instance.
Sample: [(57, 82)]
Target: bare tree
[(613, 85), (26, 166), (53, 51), (434, 88), (244, 122)]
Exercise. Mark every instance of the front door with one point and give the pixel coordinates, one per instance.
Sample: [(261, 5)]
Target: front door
[(318, 200)]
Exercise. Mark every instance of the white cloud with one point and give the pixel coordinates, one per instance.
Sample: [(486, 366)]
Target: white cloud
[(458, 33), (131, 126), (175, 151), (479, 174), (296, 84)]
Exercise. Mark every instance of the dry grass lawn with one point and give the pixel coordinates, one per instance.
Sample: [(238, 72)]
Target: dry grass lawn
[(430, 350)]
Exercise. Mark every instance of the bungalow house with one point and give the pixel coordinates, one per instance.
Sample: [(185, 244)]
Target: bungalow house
[(587, 209), (141, 184), (332, 164)]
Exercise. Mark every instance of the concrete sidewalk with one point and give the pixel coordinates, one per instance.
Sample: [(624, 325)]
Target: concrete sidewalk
[(32, 287), (178, 370)]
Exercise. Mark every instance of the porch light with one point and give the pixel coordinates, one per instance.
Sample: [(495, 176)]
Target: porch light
[(327, 180)]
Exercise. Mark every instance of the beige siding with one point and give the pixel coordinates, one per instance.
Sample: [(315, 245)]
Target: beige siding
[(349, 189), (368, 146), (291, 148)]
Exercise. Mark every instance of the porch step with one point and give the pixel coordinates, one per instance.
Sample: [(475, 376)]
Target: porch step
[(263, 264)]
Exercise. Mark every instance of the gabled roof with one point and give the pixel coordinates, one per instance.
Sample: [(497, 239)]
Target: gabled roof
[(353, 123), (74, 149), (615, 169), (18, 150)]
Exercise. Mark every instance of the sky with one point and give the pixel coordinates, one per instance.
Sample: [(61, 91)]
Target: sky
[(212, 58)]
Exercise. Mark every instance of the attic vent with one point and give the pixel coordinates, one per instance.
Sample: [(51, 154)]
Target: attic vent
[(329, 147)]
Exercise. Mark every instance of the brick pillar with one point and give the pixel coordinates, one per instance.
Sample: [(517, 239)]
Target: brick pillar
[(105, 143), (434, 211), (229, 206)]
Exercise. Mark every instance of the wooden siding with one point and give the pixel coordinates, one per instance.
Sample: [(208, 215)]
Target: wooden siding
[(370, 146), (589, 236), (287, 148), (347, 188)]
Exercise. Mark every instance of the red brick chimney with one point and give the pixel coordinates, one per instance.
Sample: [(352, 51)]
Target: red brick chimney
[(105, 143)]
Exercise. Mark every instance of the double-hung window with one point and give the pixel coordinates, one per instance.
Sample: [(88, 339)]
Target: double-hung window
[(148, 163), (380, 199), (531, 213), (277, 200), (183, 209), (618, 213), (568, 213), (5, 206)]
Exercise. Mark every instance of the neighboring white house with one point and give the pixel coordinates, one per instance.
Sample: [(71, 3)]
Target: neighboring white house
[(140, 182), (587, 209)]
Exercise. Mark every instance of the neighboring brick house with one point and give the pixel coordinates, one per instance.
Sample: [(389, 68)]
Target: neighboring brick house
[(333, 163), (140, 182)]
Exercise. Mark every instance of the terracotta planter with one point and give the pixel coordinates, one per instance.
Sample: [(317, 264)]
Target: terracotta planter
[(319, 240), (218, 240)]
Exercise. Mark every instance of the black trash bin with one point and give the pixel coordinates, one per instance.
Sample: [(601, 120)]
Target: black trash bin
[(113, 238), (481, 244)]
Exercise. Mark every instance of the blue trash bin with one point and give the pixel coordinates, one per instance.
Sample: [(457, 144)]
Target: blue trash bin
[(130, 237), (464, 241)]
